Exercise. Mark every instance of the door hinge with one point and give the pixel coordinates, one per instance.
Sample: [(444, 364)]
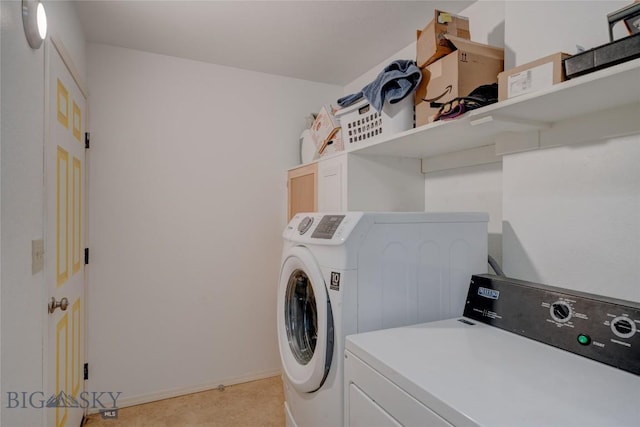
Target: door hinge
[(87, 140), (86, 371), (86, 256)]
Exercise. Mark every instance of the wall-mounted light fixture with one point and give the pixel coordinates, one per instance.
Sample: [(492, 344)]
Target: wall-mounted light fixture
[(34, 20)]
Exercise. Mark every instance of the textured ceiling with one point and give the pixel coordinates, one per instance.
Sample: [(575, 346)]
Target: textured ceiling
[(323, 41)]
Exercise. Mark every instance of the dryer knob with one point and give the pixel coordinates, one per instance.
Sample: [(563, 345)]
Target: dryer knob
[(623, 327), (305, 224), (561, 312)]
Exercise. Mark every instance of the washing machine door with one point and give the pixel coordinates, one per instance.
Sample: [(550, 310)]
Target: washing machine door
[(305, 321)]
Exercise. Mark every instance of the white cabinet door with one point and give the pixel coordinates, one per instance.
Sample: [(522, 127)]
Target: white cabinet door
[(349, 182), (332, 185)]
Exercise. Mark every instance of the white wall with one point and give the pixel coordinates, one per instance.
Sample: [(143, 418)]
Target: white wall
[(22, 210), (188, 202), (571, 213), (64, 22), (477, 188), (571, 217), (534, 29), (22, 111), (367, 77)]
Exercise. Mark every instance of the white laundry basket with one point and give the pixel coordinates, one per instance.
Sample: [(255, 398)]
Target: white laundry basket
[(362, 125)]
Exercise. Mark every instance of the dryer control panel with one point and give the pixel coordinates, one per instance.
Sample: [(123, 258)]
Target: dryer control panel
[(603, 329)]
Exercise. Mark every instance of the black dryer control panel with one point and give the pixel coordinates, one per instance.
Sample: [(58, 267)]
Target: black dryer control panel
[(603, 329)]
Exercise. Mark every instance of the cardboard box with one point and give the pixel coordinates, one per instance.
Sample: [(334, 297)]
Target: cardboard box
[(334, 145), (533, 76), (431, 43), (324, 128), (457, 74)]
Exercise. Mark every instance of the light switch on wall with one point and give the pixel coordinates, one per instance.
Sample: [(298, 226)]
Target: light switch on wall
[(37, 256)]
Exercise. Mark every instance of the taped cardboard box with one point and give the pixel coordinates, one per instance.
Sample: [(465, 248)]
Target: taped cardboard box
[(457, 74), (532, 76), (431, 43)]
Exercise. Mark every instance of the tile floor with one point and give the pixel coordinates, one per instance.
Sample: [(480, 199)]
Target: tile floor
[(257, 403)]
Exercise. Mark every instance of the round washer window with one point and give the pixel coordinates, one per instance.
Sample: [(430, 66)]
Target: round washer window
[(301, 316)]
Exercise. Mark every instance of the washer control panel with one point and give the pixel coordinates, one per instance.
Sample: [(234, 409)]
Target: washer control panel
[(327, 226), (600, 328), (321, 228)]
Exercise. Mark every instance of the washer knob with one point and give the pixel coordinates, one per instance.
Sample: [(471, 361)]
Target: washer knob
[(305, 224)]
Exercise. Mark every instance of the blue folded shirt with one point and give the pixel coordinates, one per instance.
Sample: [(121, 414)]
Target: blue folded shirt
[(397, 80)]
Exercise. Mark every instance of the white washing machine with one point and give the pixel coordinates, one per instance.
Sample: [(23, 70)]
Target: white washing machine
[(523, 355), (344, 273)]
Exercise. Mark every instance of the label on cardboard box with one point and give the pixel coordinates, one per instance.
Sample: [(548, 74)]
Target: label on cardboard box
[(531, 80)]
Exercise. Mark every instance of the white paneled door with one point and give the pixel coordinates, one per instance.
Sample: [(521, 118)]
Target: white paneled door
[(64, 248)]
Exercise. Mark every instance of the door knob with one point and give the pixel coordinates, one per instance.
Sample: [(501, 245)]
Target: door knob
[(62, 304)]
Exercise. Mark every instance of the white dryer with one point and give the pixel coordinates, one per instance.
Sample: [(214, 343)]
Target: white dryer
[(344, 273), (524, 355)]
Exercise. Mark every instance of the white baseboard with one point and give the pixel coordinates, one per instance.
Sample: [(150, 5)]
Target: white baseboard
[(167, 394)]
